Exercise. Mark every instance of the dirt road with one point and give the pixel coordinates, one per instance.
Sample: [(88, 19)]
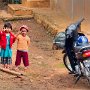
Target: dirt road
[(46, 71)]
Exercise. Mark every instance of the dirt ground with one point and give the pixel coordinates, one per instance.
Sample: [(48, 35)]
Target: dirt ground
[(46, 70)]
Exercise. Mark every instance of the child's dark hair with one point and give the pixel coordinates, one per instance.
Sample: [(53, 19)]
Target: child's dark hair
[(7, 25)]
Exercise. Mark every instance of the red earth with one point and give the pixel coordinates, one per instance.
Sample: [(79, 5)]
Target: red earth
[(46, 70)]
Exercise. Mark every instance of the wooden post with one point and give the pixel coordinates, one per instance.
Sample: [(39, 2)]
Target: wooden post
[(11, 72)]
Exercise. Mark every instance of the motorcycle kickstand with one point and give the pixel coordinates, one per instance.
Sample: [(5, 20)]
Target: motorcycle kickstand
[(78, 78)]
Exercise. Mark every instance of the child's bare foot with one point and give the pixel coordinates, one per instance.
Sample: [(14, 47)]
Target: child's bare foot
[(8, 67), (26, 69), (16, 69), (5, 66)]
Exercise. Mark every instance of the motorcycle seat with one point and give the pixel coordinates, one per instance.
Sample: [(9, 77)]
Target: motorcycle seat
[(82, 48)]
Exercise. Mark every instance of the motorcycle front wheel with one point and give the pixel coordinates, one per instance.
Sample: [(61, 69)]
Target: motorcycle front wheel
[(67, 62)]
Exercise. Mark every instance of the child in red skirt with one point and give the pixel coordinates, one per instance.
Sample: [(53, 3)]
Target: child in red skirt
[(7, 38), (23, 42)]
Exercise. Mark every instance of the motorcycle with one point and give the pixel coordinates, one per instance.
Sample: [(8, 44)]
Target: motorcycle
[(83, 62), (82, 55)]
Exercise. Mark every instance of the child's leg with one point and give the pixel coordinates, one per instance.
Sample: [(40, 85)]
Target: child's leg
[(25, 60), (9, 62), (18, 58), (3, 62)]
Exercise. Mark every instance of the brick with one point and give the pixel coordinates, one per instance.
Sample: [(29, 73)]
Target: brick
[(19, 10)]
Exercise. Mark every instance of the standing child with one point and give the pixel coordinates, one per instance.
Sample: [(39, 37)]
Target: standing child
[(6, 41), (23, 42)]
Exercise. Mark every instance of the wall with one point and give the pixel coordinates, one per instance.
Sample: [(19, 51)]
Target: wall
[(87, 9), (73, 8), (36, 3), (64, 5)]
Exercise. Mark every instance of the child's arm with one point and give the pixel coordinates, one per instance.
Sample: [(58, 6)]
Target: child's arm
[(1, 32), (16, 36), (14, 39), (0, 37), (28, 42), (18, 33)]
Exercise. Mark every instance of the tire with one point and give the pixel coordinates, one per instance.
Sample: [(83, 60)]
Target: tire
[(54, 47), (67, 63)]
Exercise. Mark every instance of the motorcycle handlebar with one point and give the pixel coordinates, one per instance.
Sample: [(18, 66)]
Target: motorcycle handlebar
[(79, 21)]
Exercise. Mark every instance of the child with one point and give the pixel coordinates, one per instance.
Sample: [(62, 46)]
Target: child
[(6, 41), (23, 42)]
